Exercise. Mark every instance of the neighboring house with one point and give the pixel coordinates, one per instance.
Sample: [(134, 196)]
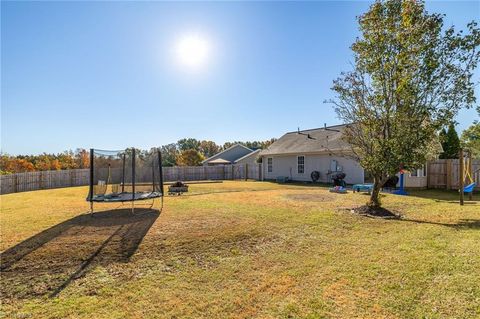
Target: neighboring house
[(297, 154), (236, 154), (249, 159)]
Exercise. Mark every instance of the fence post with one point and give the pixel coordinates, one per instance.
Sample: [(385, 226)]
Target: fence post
[(246, 171), (461, 177), (448, 180), (15, 187), (470, 171)]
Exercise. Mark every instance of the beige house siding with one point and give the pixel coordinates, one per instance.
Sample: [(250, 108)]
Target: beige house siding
[(415, 181), (286, 165), (250, 159)]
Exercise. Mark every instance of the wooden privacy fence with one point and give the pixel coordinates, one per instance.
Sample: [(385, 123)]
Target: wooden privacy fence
[(30, 181), (443, 173), (440, 174)]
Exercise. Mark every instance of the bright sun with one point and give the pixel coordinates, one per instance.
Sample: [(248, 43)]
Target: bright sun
[(192, 51)]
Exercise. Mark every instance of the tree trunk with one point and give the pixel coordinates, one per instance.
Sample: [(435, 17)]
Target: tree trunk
[(375, 195)]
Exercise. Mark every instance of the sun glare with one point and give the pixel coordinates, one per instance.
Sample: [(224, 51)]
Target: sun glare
[(192, 51)]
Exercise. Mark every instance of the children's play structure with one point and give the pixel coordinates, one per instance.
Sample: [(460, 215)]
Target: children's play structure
[(362, 188), (125, 176), (465, 173), (339, 184), (389, 185), (401, 190)]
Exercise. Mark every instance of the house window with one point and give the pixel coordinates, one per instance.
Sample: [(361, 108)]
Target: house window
[(269, 164), (422, 171), (301, 164)]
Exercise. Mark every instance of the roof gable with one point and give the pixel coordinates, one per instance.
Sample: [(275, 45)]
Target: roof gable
[(253, 153), (231, 154)]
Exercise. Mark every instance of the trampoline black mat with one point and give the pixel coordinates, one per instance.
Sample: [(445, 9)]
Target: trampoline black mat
[(126, 197)]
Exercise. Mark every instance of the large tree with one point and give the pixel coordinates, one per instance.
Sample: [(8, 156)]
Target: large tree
[(169, 154), (410, 77), (471, 139), (188, 144), (209, 148), (190, 158), (450, 142)]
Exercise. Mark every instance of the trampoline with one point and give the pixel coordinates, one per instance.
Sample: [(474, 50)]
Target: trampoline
[(125, 176)]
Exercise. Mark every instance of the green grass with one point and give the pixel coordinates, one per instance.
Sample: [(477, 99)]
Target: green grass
[(241, 250)]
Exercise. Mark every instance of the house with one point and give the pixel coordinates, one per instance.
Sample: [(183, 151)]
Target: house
[(250, 158), (236, 154), (297, 154)]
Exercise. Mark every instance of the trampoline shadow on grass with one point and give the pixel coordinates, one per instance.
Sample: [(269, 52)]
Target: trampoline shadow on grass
[(46, 263)]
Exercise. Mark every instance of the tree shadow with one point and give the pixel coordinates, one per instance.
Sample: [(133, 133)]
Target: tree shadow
[(46, 263), (462, 224), (383, 213), (445, 196)]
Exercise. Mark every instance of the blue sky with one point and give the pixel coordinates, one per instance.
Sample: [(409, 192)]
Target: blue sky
[(105, 74)]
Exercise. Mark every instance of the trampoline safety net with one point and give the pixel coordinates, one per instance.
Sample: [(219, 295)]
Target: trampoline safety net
[(128, 175)]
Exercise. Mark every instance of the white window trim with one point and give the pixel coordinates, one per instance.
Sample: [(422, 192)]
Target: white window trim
[(304, 158), (269, 166)]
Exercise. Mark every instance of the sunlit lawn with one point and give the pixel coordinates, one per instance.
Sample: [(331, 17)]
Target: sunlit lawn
[(240, 250)]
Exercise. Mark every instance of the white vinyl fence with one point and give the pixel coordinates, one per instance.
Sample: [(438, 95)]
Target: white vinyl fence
[(30, 181)]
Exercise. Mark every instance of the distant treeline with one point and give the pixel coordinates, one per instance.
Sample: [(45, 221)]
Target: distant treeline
[(44, 162), (185, 152)]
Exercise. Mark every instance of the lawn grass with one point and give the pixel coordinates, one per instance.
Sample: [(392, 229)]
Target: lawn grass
[(240, 250)]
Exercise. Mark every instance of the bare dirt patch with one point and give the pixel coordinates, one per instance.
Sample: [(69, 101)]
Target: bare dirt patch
[(375, 212), (310, 197)]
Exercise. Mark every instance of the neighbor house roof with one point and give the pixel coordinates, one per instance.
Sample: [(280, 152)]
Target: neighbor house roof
[(229, 155), (219, 161), (254, 153), (323, 139)]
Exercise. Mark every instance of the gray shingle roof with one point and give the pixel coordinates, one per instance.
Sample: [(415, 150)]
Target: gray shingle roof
[(231, 154), (309, 141)]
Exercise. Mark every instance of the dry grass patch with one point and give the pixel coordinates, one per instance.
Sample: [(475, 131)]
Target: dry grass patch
[(322, 197)]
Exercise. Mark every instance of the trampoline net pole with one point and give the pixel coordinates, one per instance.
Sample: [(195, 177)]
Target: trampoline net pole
[(133, 174), (153, 175), (123, 173), (90, 190), (161, 171)]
